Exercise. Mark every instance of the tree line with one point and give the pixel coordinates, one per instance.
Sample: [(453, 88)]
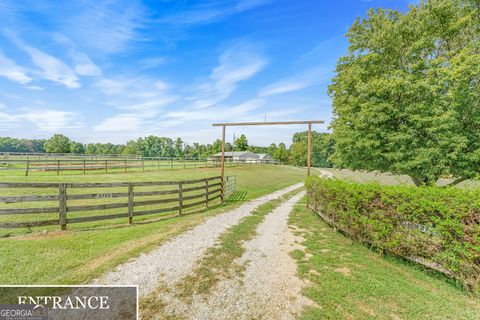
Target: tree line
[(154, 146)]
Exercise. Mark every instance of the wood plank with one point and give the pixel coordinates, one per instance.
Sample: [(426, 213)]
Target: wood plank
[(28, 185), (98, 218), (5, 225), (97, 207), (17, 199), (30, 210), (194, 204), (150, 202), (106, 195), (164, 210), (155, 193)]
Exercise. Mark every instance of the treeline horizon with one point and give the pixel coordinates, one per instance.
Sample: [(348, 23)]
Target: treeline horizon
[(155, 146)]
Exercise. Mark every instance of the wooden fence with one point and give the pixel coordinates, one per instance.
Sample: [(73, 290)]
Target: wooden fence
[(137, 199), (106, 165)]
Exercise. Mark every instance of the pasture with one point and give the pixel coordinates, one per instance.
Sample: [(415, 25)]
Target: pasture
[(88, 249)]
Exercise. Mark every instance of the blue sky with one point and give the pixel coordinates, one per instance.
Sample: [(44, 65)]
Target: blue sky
[(110, 71)]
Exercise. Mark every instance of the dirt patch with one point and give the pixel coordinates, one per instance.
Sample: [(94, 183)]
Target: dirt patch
[(344, 270)]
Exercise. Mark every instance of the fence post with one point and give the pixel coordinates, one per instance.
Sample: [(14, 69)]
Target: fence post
[(130, 203), (222, 190), (58, 167), (28, 167), (180, 197), (84, 165), (143, 165), (125, 167), (106, 166), (206, 193), (62, 204)]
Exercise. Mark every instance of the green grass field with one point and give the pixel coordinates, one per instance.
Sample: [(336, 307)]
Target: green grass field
[(348, 281), (86, 251), (386, 178)]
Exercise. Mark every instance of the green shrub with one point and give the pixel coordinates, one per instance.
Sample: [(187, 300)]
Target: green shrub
[(441, 225)]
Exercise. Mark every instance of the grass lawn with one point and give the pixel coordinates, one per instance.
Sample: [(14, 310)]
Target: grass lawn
[(82, 253), (386, 178), (348, 281)]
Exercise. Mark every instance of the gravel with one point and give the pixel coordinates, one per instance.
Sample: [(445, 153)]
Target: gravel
[(176, 258), (269, 288)]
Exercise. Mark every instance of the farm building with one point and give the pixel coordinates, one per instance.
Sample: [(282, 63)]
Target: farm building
[(265, 157), (243, 156)]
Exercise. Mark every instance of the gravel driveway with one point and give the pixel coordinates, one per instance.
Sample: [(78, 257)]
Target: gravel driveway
[(177, 257), (268, 288)]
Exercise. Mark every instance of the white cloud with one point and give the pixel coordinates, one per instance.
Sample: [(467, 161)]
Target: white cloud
[(238, 63), (121, 122), (83, 65), (52, 68), (296, 82), (207, 13), (10, 70), (44, 120), (52, 120), (105, 26)]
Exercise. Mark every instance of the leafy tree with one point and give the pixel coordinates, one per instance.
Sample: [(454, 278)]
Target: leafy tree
[(76, 147), (179, 148), (241, 143), (271, 149), (281, 153), (298, 154), (406, 98), (322, 149), (58, 143)]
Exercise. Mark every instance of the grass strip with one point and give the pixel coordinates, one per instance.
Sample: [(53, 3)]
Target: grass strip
[(349, 281), (219, 261)]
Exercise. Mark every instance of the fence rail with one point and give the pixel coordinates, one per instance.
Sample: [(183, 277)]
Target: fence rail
[(106, 166), (136, 198)]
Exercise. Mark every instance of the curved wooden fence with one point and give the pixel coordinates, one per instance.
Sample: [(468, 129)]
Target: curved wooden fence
[(67, 203)]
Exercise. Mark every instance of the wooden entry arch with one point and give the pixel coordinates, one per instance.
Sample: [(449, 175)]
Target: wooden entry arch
[(241, 124)]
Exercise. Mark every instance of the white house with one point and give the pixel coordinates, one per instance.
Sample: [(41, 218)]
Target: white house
[(243, 156)]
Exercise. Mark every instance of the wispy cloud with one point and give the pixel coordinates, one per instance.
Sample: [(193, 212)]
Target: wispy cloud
[(83, 65), (105, 26), (237, 63), (296, 82), (51, 68), (10, 70), (121, 122), (44, 120), (202, 14)]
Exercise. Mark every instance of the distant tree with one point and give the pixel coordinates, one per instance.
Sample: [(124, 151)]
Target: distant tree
[(241, 144), (406, 98), (271, 149), (322, 149), (76, 147), (298, 154), (58, 143), (179, 148), (281, 153)]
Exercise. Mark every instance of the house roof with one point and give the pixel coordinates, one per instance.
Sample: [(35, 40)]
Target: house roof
[(264, 155), (235, 154)]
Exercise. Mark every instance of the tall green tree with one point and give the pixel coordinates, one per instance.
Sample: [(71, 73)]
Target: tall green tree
[(406, 98), (76, 147), (241, 143), (322, 149), (281, 153), (58, 143)]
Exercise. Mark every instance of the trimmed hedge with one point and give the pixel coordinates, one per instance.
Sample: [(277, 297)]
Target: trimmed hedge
[(438, 225)]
